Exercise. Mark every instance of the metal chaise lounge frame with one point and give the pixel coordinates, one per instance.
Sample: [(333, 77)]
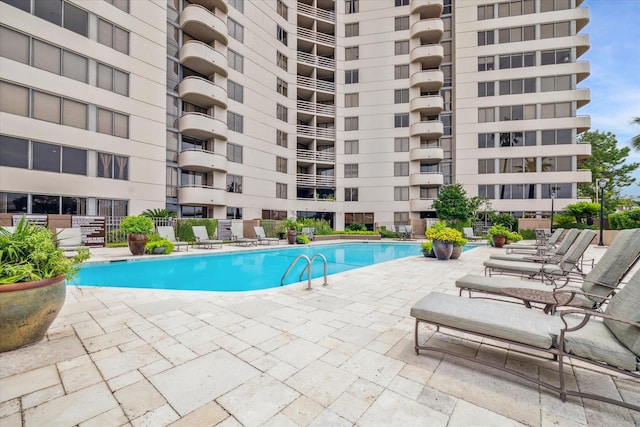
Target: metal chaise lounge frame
[(202, 237), (550, 256), (167, 233), (537, 247), (237, 236), (547, 271), (613, 343), (262, 236), (599, 283)]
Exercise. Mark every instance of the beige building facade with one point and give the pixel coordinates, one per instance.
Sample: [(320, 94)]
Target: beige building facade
[(353, 111)]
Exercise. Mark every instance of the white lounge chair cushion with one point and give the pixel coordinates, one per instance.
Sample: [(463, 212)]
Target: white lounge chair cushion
[(497, 319), (626, 305)]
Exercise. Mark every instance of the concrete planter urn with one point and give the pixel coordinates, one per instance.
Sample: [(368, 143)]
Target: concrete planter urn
[(442, 249)]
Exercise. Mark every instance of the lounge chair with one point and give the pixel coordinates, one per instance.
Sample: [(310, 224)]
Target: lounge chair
[(599, 283), (69, 240), (539, 246), (551, 272), (167, 233), (468, 234), (203, 239), (309, 232), (237, 236), (609, 340), (262, 237), (552, 256)]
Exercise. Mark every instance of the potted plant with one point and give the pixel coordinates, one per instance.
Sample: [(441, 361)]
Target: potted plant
[(292, 226), (427, 249), (457, 247), (32, 283), (156, 245), (443, 238), (501, 234), (303, 239), (136, 228)]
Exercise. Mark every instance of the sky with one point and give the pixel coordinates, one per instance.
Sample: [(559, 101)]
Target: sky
[(614, 56)]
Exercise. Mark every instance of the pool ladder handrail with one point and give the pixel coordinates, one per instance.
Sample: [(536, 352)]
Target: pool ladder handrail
[(308, 266)]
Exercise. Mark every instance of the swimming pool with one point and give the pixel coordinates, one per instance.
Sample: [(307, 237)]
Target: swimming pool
[(239, 271)]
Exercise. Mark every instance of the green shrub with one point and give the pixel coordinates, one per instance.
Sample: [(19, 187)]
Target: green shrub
[(501, 230), (561, 220), (580, 226), (441, 232), (427, 245), (625, 219), (354, 226), (528, 234), (302, 239), (136, 224), (159, 243), (506, 220), (184, 232)]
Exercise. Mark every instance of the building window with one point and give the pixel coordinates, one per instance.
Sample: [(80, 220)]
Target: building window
[(350, 123), (400, 193), (351, 147), (352, 29), (518, 165), (108, 207), (518, 191), (401, 23), (234, 213), (401, 47), (351, 99), (557, 164), (402, 3), (112, 166), (14, 152), (281, 190), (555, 83), (112, 123), (428, 193), (282, 87), (516, 34), (282, 61), (486, 166), (350, 194), (282, 113), (234, 152), (351, 6), (351, 53), (401, 145), (235, 91), (517, 60), (401, 71), (550, 5), (485, 63), (235, 60), (486, 89), (401, 120), (401, 217), (550, 57), (401, 96), (401, 169), (486, 115), (281, 164), (517, 112), (235, 30), (485, 12), (485, 38), (551, 111), (486, 140), (556, 137), (487, 191), (234, 183), (237, 4), (351, 76), (351, 170), (109, 78), (517, 86), (123, 5), (282, 35), (113, 36), (516, 8), (281, 138), (282, 9), (235, 122), (555, 29), (273, 214)]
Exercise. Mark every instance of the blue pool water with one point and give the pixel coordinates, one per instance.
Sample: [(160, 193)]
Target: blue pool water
[(239, 271)]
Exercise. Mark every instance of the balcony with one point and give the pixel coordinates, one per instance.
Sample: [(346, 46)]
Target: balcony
[(428, 105), (420, 205), (220, 5), (314, 108), (316, 61), (315, 84), (201, 24), (428, 30), (202, 92), (428, 80), (316, 37), (316, 132), (202, 161), (429, 155), (309, 180), (582, 42), (203, 58), (202, 195), (312, 156), (581, 96), (427, 8), (430, 55), (432, 129), (426, 179), (202, 126), (314, 12)]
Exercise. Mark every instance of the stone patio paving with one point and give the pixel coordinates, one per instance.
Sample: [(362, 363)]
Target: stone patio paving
[(339, 355)]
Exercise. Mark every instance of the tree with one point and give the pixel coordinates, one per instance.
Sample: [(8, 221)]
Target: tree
[(606, 161), (635, 141), (453, 204)]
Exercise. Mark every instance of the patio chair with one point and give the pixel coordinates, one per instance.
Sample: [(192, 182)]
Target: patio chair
[(167, 233), (262, 237), (552, 256), (537, 247), (468, 234), (609, 340), (548, 271), (309, 232), (602, 281), (69, 240), (203, 239), (237, 236)]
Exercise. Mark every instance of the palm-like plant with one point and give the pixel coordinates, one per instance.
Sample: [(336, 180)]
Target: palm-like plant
[(635, 141), (159, 213)]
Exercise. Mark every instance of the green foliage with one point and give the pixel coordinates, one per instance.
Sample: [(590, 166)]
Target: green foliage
[(453, 204), (441, 232), (159, 213), (184, 232), (30, 253), (501, 230), (357, 232), (382, 230), (302, 239), (427, 245), (136, 224), (625, 219), (583, 210), (606, 161), (354, 226), (159, 243), (505, 220), (579, 226), (561, 220), (528, 234), (291, 224)]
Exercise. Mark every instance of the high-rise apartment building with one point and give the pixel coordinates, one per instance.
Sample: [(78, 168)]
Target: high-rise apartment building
[(349, 110)]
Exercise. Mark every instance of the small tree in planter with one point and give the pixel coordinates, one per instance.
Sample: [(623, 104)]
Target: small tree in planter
[(500, 235), (137, 228)]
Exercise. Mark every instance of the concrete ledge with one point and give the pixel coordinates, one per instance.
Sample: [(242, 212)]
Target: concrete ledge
[(323, 237)]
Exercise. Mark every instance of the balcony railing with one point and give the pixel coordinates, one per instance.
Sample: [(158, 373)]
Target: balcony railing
[(316, 132), (315, 36), (315, 108), (315, 84), (323, 14), (309, 180), (316, 156), (316, 61)]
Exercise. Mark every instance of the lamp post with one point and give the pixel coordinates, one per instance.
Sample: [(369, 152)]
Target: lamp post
[(602, 182), (553, 196)]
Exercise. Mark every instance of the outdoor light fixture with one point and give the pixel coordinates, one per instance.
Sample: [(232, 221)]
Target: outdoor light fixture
[(553, 196), (602, 182)]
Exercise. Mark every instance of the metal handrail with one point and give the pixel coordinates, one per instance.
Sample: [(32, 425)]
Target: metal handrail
[(324, 260), (309, 262)]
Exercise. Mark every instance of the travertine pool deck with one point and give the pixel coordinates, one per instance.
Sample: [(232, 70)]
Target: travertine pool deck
[(339, 355)]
